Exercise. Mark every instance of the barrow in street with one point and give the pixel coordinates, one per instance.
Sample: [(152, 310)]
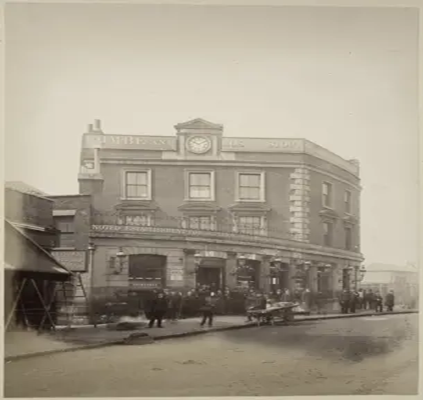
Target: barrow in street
[(365, 355)]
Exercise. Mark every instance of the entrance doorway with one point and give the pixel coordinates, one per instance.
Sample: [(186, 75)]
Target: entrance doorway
[(210, 273)]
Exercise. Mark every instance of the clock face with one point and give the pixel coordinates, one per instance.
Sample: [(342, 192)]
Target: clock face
[(199, 144)]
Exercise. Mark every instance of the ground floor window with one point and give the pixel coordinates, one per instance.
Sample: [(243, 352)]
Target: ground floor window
[(248, 274), (148, 269), (323, 280)]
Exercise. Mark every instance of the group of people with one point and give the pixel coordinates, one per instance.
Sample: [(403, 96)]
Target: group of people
[(206, 303), (169, 305), (352, 300)]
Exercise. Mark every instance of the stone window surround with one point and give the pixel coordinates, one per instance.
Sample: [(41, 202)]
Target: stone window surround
[(331, 196), (187, 173), (124, 171), (262, 174), (348, 206)]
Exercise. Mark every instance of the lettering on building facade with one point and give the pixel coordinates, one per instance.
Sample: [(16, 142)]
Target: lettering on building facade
[(130, 141), (262, 145), (76, 261)]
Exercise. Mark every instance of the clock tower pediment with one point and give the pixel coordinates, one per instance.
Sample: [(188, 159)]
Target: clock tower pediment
[(199, 137)]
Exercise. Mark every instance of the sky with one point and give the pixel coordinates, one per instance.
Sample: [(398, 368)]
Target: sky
[(345, 78)]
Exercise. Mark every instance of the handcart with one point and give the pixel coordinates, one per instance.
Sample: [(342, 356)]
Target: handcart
[(283, 311)]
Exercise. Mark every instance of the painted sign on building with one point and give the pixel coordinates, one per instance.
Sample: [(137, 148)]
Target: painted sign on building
[(76, 261), (130, 142), (144, 284), (263, 145), (176, 273)]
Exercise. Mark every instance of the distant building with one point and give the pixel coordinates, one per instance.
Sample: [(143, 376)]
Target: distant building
[(229, 212), (403, 280)]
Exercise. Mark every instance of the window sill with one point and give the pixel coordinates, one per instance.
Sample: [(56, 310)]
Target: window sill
[(200, 200)]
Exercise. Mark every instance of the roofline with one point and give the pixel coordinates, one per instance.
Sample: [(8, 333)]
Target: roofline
[(33, 242), (69, 195), (27, 193)]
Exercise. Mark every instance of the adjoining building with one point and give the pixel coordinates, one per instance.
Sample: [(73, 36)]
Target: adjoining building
[(198, 207), (31, 273), (403, 280)]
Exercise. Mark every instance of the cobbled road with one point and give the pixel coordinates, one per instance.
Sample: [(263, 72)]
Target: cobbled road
[(366, 355)]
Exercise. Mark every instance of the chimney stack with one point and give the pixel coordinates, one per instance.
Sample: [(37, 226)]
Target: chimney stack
[(97, 125), (90, 128)]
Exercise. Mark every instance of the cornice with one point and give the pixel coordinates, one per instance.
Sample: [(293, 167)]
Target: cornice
[(196, 238), (247, 207), (199, 206), (328, 214), (136, 205)]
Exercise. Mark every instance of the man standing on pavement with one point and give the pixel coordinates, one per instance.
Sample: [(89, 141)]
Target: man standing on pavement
[(354, 299), (159, 306), (208, 310), (378, 302), (345, 301), (390, 300)]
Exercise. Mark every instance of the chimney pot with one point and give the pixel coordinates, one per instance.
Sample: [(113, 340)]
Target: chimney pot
[(90, 128), (97, 125)]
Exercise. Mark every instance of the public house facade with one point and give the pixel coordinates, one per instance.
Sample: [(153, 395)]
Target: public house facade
[(198, 207)]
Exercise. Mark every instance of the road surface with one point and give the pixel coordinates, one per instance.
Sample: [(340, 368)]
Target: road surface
[(366, 355)]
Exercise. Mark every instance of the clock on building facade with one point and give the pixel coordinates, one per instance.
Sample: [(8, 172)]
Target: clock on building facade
[(199, 144)]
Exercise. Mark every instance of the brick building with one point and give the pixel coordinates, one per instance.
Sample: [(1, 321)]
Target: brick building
[(198, 207)]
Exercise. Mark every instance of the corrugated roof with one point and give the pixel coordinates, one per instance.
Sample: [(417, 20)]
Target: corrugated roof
[(25, 188), (24, 254)]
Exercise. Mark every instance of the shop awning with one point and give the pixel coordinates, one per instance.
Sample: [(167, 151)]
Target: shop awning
[(22, 254)]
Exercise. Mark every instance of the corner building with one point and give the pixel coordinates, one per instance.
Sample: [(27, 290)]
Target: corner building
[(198, 207)]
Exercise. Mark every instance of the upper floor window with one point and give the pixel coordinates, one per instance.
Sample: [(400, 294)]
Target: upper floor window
[(327, 194), (327, 233), (203, 223), (347, 201), (66, 226), (348, 238), (137, 185), (200, 186), (251, 225), (250, 187)]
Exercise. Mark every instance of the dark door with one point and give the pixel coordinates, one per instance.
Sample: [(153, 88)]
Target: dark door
[(209, 277)]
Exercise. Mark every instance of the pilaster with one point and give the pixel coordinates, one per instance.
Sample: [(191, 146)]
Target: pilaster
[(299, 200), (190, 268), (230, 270), (264, 283)]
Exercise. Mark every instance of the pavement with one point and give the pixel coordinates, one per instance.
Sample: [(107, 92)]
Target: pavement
[(19, 345), (366, 355)]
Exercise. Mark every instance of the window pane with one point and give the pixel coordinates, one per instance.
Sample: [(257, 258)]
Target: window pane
[(200, 192), (249, 193), (252, 180), (141, 178), (200, 179)]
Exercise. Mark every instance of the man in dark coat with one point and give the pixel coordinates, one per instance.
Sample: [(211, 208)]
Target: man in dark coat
[(370, 300), (378, 302), (158, 310), (390, 300), (208, 309), (345, 301), (354, 299)]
